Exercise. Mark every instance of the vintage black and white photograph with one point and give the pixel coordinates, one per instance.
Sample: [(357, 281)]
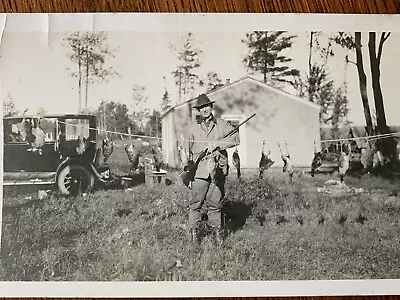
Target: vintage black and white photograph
[(199, 155)]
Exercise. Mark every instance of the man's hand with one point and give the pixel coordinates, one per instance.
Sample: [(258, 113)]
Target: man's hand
[(211, 146)]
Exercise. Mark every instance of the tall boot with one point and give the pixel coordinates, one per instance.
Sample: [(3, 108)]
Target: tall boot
[(195, 237), (218, 235)]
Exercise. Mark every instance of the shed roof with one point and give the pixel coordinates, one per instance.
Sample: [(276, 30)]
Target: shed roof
[(246, 78)]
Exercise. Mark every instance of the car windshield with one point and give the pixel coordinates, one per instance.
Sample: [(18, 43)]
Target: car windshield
[(76, 127)]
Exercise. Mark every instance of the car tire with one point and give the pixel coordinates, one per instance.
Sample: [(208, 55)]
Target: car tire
[(75, 180)]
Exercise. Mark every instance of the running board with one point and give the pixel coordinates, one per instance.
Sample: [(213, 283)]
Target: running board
[(30, 182)]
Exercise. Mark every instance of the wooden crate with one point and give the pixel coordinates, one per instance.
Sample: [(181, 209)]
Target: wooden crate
[(152, 177)]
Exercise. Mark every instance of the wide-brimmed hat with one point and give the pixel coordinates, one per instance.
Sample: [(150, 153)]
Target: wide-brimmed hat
[(203, 100)]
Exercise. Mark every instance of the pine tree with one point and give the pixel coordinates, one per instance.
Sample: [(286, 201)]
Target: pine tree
[(153, 126), (185, 75), (265, 56), (166, 102), (9, 106), (213, 81), (140, 112)]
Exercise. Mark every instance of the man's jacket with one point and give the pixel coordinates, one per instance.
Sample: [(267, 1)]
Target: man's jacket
[(199, 136)]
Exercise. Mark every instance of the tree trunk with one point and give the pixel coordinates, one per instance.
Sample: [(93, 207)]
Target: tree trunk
[(180, 78), (87, 79), (363, 83), (376, 85), (157, 125), (265, 62), (310, 90), (79, 80), (387, 145), (265, 77), (105, 127)]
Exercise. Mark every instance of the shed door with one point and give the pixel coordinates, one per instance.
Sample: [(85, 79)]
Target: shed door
[(235, 120)]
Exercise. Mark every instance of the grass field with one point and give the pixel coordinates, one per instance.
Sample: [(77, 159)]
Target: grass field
[(279, 230)]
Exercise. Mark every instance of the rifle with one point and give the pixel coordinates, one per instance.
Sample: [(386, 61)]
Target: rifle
[(187, 175)]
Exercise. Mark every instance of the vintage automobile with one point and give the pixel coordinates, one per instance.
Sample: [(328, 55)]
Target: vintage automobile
[(58, 162)]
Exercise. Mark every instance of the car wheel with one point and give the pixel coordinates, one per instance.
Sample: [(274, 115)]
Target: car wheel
[(75, 180)]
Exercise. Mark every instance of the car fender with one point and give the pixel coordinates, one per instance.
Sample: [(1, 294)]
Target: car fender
[(73, 161)]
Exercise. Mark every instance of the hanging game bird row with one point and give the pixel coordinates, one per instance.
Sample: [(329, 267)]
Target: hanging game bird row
[(134, 155), (265, 162)]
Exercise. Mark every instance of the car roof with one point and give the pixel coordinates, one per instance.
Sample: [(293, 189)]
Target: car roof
[(67, 116)]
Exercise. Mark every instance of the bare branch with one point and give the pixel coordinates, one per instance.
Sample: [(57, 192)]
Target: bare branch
[(383, 39), (348, 61)]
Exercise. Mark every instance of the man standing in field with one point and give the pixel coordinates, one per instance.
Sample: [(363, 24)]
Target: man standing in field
[(208, 187)]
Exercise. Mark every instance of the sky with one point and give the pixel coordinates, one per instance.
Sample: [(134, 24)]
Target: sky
[(34, 68)]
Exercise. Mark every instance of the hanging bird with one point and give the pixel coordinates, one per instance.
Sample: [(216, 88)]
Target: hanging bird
[(133, 156), (157, 157), (344, 162), (24, 127), (316, 163), (184, 155), (81, 147), (236, 163), (367, 156), (378, 159), (38, 137), (289, 167), (212, 166), (107, 148), (30, 137), (265, 162), (287, 162)]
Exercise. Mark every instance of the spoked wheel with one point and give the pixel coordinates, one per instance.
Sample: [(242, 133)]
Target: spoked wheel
[(75, 180)]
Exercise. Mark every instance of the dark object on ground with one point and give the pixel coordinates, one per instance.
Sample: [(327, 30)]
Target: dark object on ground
[(123, 212), (361, 219), (281, 219), (261, 219), (342, 219), (300, 219)]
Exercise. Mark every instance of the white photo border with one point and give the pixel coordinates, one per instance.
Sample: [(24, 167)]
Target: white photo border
[(221, 22)]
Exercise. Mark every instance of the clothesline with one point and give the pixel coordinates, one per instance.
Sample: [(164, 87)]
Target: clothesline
[(372, 137), (113, 132)]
